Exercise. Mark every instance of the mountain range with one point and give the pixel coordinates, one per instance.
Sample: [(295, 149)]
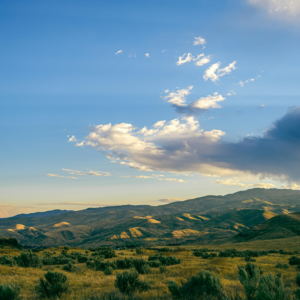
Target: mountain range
[(242, 216)]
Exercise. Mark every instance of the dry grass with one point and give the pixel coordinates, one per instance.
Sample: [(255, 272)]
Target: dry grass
[(85, 282)]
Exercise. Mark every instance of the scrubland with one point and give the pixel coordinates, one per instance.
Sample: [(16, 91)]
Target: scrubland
[(85, 283)]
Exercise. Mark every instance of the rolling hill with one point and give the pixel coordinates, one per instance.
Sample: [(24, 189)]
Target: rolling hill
[(282, 226), (209, 219)]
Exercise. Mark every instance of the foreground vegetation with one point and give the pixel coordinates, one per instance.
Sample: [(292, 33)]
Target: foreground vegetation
[(213, 272)]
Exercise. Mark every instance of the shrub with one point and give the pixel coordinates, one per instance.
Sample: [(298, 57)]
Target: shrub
[(82, 259), (249, 277), (28, 259), (162, 269), (126, 263), (69, 267), (64, 252), (54, 285), (142, 266), (129, 283), (108, 271), (294, 260), (154, 263), (165, 260), (297, 292), (272, 288), (9, 292), (249, 258), (7, 261), (107, 252), (199, 252), (100, 265), (139, 250), (206, 285)]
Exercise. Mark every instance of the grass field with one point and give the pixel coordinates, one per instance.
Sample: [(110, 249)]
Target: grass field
[(86, 283)]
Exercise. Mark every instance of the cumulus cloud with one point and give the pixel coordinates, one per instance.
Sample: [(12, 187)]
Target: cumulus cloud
[(214, 72), (199, 41), (72, 138), (289, 9), (178, 101), (118, 52), (182, 146), (203, 61), (261, 106), (147, 55), (60, 176), (200, 59), (170, 200)]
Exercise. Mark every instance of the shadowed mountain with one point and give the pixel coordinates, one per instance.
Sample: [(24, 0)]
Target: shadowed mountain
[(209, 219), (282, 226), (42, 214)]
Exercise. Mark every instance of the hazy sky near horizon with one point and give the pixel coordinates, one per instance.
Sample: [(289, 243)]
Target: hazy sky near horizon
[(134, 102)]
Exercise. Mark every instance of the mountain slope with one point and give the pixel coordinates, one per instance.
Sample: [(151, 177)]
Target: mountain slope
[(206, 219), (282, 226)]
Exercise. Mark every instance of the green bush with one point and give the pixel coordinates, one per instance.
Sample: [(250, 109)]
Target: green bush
[(129, 283), (162, 269), (294, 260), (126, 263), (154, 263), (9, 292), (107, 252), (142, 266), (82, 259), (7, 261), (100, 265), (165, 260), (139, 250), (206, 285), (249, 258), (249, 277), (69, 267), (272, 288), (108, 271), (28, 259), (54, 285)]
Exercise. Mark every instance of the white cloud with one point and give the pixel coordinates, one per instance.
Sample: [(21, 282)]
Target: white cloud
[(292, 186), (288, 9), (72, 139), (118, 52), (182, 59), (154, 176), (200, 59), (164, 51), (201, 62), (199, 41), (60, 176), (147, 55), (208, 102), (214, 72), (262, 185), (178, 100), (78, 203), (231, 93), (261, 106), (231, 182), (170, 147), (89, 173), (170, 200)]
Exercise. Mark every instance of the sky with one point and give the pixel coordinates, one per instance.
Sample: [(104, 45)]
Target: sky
[(131, 102)]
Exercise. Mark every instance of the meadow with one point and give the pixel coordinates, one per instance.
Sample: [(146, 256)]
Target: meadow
[(88, 284)]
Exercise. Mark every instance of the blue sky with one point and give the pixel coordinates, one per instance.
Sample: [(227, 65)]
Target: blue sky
[(60, 77)]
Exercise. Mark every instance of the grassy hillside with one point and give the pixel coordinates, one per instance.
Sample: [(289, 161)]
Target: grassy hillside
[(282, 226), (209, 219)]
